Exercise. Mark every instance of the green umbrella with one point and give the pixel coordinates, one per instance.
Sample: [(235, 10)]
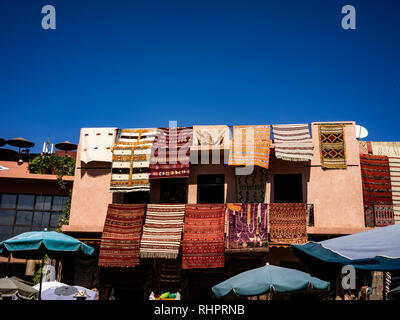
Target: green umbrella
[(13, 285), (269, 279)]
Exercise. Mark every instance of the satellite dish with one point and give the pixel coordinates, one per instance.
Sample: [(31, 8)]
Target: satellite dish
[(361, 132)]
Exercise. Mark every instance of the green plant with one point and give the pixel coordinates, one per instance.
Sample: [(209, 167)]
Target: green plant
[(64, 219), (53, 164), (38, 273)]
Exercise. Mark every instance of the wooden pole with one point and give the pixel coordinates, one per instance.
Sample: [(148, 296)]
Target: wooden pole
[(41, 278)]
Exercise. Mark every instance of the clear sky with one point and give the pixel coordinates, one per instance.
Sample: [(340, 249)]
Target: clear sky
[(132, 64)]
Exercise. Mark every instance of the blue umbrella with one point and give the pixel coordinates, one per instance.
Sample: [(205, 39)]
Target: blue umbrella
[(376, 249), (266, 279), (66, 293), (36, 244)]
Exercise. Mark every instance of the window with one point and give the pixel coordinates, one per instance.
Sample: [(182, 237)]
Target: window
[(288, 188), (210, 188), (27, 212), (173, 190)]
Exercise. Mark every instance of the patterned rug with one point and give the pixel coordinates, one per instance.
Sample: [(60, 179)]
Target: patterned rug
[(97, 143), (162, 231), (131, 159), (211, 135), (170, 154), (394, 164), (377, 189), (203, 236), (247, 226), (251, 188), (288, 222), (383, 215), (250, 146), (170, 275), (332, 146), (293, 142), (120, 240)]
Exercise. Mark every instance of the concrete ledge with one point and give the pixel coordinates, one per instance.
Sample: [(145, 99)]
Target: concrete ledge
[(82, 229), (336, 230)]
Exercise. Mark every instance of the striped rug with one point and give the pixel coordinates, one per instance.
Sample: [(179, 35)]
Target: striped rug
[(131, 160), (394, 164), (332, 146), (170, 154), (203, 236), (120, 241), (162, 231), (293, 142), (288, 223), (377, 190), (250, 146)]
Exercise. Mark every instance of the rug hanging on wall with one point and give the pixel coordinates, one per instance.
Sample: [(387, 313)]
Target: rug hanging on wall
[(247, 226), (250, 146), (120, 241), (332, 146), (288, 223), (162, 231), (97, 143), (170, 155), (251, 188), (293, 142), (203, 236), (131, 160), (170, 275), (377, 189)]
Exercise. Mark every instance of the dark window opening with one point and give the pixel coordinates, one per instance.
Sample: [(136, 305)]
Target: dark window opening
[(210, 188), (173, 190), (288, 188), (136, 197)]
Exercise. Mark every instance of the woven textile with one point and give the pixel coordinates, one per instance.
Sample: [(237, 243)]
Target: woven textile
[(293, 142), (288, 222), (96, 144), (247, 226), (377, 190), (332, 146), (162, 231), (131, 159), (382, 148), (383, 215), (170, 275), (250, 146), (211, 135), (170, 154), (394, 165), (377, 286), (251, 188), (203, 236), (120, 240)]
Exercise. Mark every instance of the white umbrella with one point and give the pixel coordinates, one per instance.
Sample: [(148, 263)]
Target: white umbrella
[(50, 284)]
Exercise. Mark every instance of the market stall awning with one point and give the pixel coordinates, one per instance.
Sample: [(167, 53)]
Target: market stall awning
[(377, 249)]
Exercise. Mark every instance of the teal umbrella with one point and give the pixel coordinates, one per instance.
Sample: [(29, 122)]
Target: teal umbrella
[(36, 244), (268, 279)]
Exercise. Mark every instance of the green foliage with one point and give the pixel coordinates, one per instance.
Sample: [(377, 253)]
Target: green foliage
[(38, 273), (64, 219), (53, 164)]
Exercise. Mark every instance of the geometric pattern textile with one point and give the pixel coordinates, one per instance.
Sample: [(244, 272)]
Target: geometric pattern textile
[(131, 160), (120, 241), (203, 236), (288, 223), (332, 146)]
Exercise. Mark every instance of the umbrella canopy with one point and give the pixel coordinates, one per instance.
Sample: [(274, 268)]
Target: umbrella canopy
[(376, 249), (66, 145), (35, 244), (66, 293), (7, 152), (48, 285), (20, 143), (264, 279), (13, 285), (2, 142)]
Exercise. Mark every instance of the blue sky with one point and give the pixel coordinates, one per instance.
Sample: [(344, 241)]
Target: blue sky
[(142, 63)]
